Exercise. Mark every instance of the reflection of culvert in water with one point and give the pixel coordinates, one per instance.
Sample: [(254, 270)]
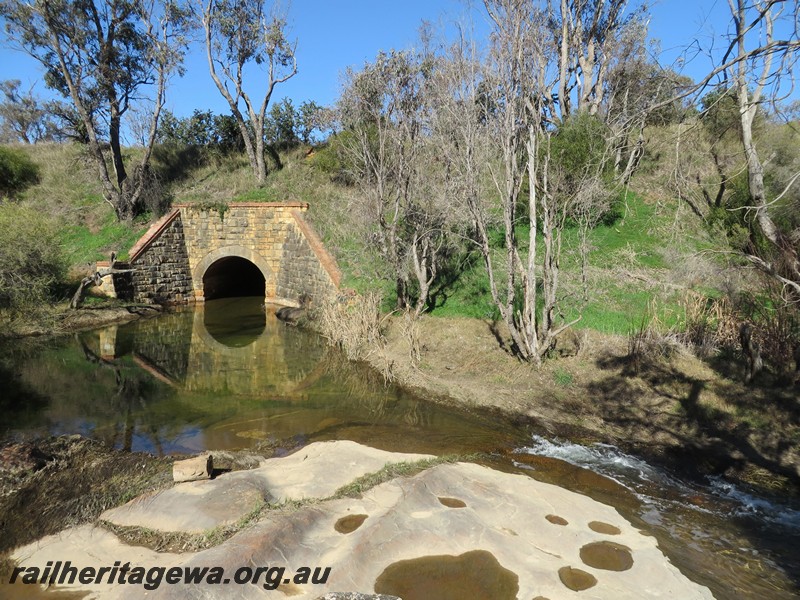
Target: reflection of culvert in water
[(349, 523), (476, 575), (235, 322), (607, 555)]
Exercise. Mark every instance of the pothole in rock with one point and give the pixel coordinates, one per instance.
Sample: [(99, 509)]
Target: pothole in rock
[(608, 556), (556, 520), (476, 574), (576, 579), (349, 523), (452, 502), (604, 528)]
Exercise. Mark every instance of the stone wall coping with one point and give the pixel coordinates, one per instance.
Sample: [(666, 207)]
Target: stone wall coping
[(326, 260), (153, 233), (290, 205)]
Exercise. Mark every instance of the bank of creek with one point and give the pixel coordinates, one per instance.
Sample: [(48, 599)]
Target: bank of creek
[(230, 377)]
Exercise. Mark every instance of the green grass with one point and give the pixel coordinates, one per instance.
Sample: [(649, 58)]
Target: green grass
[(82, 244), (258, 195), (615, 305), (563, 378), (638, 231)]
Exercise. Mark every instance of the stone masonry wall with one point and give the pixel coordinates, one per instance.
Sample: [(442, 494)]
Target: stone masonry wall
[(302, 270), (161, 272)]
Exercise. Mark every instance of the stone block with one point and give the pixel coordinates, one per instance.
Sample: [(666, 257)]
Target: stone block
[(193, 469)]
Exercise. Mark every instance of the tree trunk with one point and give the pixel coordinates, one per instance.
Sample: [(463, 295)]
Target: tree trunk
[(748, 108)]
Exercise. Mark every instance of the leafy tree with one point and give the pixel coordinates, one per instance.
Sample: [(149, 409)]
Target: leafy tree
[(203, 128), (102, 55), (227, 134), (17, 172), (282, 124), (586, 38), (241, 34), (310, 119), (24, 117)]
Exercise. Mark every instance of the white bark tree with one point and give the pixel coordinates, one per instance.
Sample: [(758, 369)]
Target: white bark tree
[(239, 35), (535, 95), (762, 59)]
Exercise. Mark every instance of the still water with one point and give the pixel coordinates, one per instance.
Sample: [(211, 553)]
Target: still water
[(229, 375)]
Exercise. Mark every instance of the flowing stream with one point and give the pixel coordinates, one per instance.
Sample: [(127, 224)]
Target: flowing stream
[(229, 375)]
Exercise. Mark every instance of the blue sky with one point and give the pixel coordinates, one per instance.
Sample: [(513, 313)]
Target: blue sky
[(332, 35)]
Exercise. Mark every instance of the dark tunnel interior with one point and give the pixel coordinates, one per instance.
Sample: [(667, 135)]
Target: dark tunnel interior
[(231, 277)]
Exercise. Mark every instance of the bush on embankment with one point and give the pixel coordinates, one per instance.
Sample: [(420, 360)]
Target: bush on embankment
[(17, 172), (31, 262)]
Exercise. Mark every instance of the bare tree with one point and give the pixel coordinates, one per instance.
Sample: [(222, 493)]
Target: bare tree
[(517, 61), (241, 34), (756, 70), (102, 55), (530, 122), (386, 112)]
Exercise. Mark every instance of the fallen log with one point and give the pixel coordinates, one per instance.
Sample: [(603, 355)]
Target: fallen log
[(94, 280)]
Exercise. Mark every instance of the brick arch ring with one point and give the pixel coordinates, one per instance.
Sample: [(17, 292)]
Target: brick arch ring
[(230, 251)]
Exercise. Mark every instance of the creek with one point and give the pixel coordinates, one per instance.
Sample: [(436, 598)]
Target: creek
[(229, 375)]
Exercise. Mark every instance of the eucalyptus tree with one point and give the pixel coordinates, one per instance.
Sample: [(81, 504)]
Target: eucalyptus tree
[(589, 37), (752, 74), (240, 35), (23, 117), (104, 56)]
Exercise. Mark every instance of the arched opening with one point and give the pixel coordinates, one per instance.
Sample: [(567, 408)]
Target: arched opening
[(233, 276)]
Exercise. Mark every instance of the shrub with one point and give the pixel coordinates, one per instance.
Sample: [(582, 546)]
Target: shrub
[(17, 172), (31, 260), (579, 146)]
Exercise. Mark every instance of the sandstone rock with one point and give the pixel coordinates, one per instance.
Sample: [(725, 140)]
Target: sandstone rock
[(356, 596), (493, 528), (315, 471), (193, 507), (83, 546), (193, 469)]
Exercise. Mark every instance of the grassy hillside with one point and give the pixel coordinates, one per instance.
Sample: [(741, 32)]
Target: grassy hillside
[(645, 261), (69, 192)]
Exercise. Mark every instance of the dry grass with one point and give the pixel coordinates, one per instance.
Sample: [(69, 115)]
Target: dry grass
[(79, 202), (710, 324), (81, 480), (352, 322)]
